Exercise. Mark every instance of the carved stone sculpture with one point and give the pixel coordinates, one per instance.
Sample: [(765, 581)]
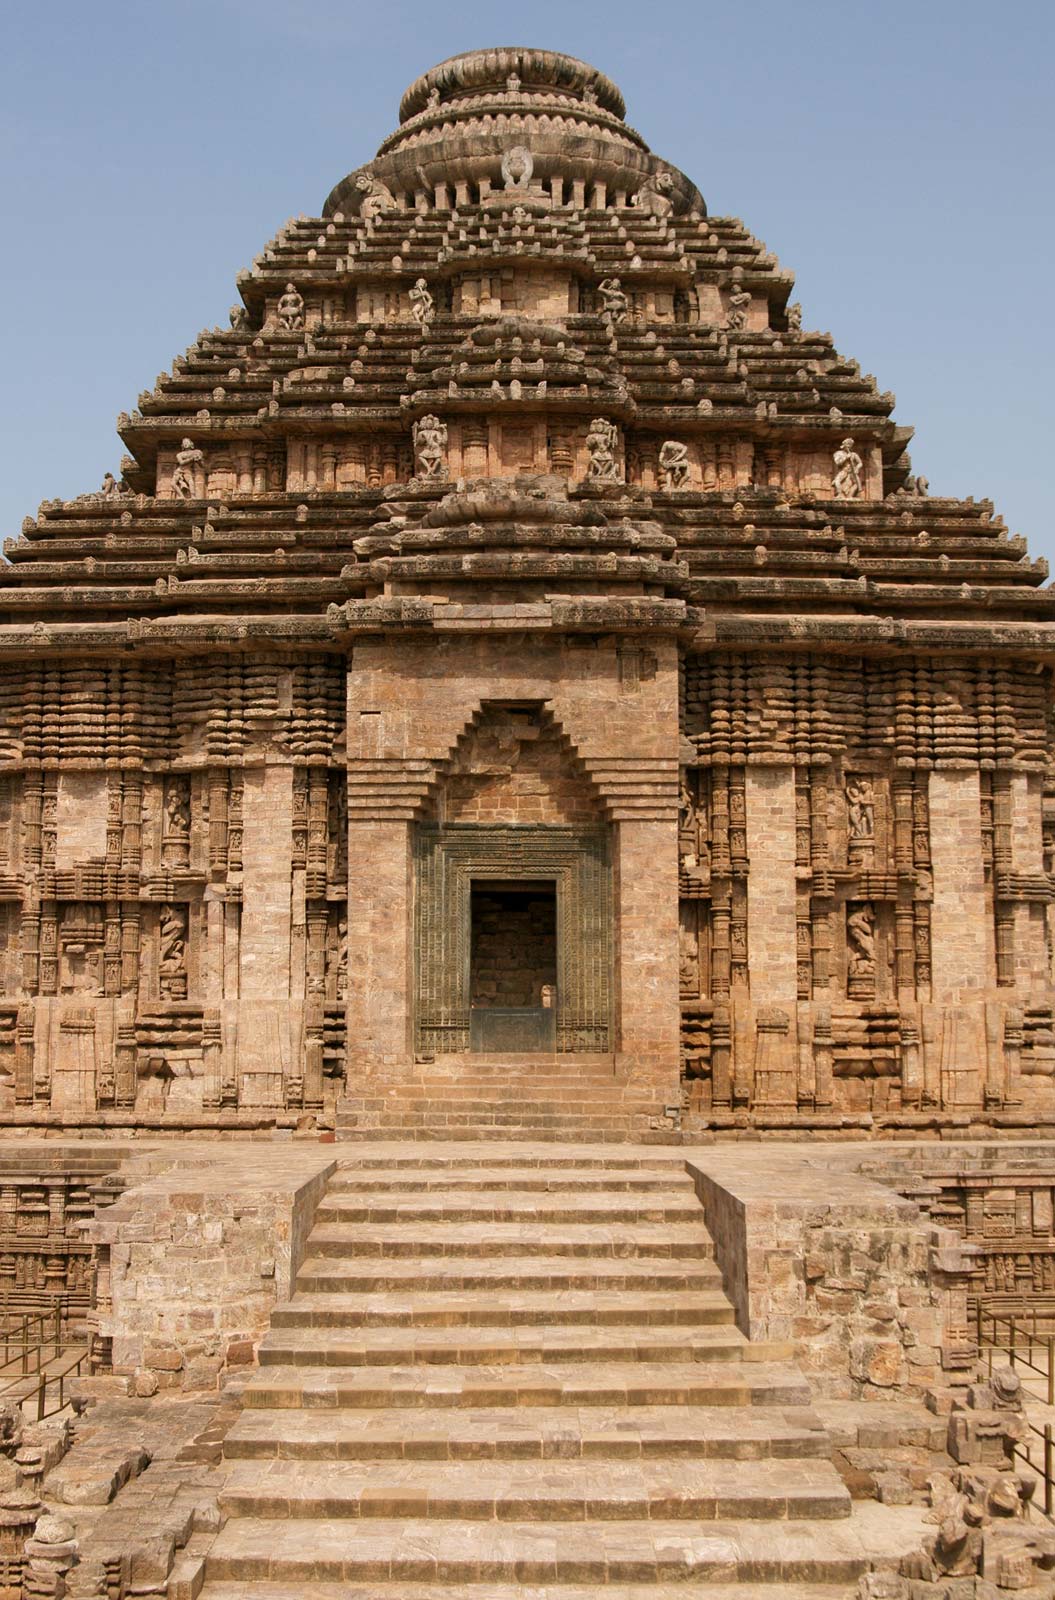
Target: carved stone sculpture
[(239, 318), (517, 168), (861, 943), (422, 305), (614, 301), (189, 462), (291, 308), (848, 484), (794, 316), (111, 489), (602, 443), (172, 951), (653, 197), (860, 811), (739, 304), (430, 447), (377, 197), (673, 464)]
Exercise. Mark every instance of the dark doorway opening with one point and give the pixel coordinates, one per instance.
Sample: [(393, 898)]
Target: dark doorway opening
[(513, 964)]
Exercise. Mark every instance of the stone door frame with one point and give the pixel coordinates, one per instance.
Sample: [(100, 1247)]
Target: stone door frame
[(448, 859)]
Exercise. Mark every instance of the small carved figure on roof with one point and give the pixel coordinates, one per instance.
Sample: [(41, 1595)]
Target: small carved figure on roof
[(739, 305), (614, 302), (653, 197), (517, 166), (422, 305), (430, 446), (513, 84), (111, 489), (188, 459), (433, 100), (794, 316), (673, 464), (915, 487), (239, 317), (601, 443), (847, 483), (377, 196), (589, 95), (861, 941), (291, 308)]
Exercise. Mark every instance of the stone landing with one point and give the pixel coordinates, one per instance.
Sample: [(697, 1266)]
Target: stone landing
[(511, 1370)]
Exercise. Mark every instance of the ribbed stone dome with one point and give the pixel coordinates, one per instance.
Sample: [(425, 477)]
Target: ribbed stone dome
[(460, 119)]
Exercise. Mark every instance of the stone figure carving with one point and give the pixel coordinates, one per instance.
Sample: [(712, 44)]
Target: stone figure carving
[(794, 316), (517, 166), (177, 809), (673, 464), (430, 447), (377, 196), (614, 302), (422, 305), (739, 304), (433, 101), (172, 951), (915, 487), (847, 483), (111, 489), (188, 459), (686, 807), (689, 961), (342, 958), (861, 941), (291, 308), (601, 443), (239, 318), (653, 197), (860, 809)]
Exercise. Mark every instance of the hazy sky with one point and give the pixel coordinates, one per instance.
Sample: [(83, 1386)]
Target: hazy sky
[(897, 157)]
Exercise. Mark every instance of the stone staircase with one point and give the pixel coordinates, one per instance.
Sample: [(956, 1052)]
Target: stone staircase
[(500, 1372), (503, 1098)]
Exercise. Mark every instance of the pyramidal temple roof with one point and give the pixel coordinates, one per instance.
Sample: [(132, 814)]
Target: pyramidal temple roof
[(515, 362)]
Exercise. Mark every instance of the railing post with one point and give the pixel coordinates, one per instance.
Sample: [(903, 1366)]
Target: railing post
[(1049, 1469)]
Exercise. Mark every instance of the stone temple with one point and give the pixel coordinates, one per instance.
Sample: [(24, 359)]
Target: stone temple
[(518, 690)]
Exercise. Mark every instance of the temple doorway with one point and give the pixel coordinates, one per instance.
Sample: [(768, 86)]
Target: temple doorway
[(513, 965)]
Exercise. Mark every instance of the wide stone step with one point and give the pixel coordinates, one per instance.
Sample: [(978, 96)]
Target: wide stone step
[(585, 1181), (460, 1205), (473, 1346), (519, 1309), (395, 1159), (524, 1491), (604, 1552), (558, 1274), (529, 1433), (313, 1590), (564, 1383), (686, 1240)]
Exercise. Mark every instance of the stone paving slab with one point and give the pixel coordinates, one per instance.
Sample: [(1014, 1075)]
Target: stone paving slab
[(523, 1432), (537, 1491)]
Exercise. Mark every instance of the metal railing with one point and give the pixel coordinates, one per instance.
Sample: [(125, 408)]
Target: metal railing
[(39, 1358), (1028, 1346)]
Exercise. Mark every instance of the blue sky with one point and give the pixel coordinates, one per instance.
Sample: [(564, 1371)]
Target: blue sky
[(897, 157)]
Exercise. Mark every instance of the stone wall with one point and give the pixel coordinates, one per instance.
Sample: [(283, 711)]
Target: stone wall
[(514, 948), (196, 1252), (871, 1292)]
